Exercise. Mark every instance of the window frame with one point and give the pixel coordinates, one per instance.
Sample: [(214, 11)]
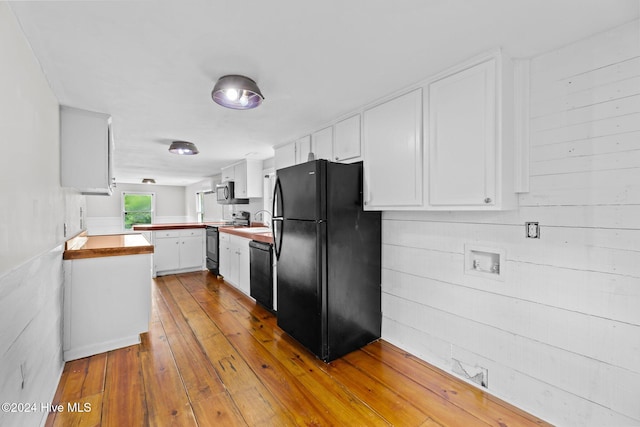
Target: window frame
[(138, 193), (200, 206)]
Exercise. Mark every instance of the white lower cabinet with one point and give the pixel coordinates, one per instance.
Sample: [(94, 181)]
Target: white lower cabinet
[(178, 251), (107, 303), (234, 261)]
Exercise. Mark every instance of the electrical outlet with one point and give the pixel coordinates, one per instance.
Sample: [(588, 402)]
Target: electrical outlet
[(533, 230)]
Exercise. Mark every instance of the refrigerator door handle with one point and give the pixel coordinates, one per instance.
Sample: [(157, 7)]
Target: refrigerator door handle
[(277, 218), (277, 237), (277, 197)]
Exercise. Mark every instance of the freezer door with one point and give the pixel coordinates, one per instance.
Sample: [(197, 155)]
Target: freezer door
[(300, 192), (300, 283)]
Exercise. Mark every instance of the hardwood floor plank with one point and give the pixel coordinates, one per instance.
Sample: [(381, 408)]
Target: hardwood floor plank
[(482, 405), (87, 414), (388, 403), (241, 330), (167, 400), (217, 410), (215, 357), (436, 407), (124, 402), (283, 387), (95, 375), (199, 377)]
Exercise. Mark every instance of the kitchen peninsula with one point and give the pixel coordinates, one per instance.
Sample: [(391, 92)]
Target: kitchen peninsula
[(107, 296)]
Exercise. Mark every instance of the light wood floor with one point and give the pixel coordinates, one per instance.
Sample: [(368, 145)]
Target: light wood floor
[(215, 358)]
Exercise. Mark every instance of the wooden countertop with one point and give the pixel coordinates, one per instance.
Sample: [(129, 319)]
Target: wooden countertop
[(83, 246), (223, 227), (176, 226), (266, 237)]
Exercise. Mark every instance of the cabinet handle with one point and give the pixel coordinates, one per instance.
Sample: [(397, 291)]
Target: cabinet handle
[(337, 158), (487, 200)]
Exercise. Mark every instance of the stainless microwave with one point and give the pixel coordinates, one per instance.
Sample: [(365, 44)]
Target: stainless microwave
[(225, 194)]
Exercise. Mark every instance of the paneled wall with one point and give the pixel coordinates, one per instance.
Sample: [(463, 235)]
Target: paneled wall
[(33, 213), (560, 335)]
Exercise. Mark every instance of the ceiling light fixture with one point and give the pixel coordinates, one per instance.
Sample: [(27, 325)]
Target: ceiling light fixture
[(183, 147), (237, 92), (148, 181)]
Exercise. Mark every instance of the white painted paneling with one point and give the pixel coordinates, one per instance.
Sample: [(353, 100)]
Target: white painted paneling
[(560, 335), (33, 212)]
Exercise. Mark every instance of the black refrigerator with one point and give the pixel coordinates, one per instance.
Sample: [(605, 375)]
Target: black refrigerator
[(328, 253)]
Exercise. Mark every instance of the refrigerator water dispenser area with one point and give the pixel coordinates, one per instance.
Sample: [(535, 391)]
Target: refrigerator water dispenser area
[(484, 261)]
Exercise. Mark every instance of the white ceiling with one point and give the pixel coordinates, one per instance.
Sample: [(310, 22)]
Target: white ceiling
[(151, 64)]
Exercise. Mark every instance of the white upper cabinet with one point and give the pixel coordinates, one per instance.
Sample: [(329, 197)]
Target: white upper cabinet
[(392, 140), (470, 161), (86, 149), (228, 173), (322, 143), (293, 153), (303, 148), (285, 156), (247, 176), (346, 139)]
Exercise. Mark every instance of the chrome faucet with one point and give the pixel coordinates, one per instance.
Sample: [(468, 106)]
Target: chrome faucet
[(263, 211)]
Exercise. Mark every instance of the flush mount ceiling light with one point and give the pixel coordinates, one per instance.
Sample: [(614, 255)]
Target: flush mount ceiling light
[(237, 92), (148, 181), (183, 147)]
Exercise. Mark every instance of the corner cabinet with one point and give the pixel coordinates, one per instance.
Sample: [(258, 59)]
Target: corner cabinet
[(392, 139), (469, 122), (86, 150)]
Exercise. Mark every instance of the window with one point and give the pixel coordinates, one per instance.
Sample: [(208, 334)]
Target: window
[(137, 208), (200, 206)]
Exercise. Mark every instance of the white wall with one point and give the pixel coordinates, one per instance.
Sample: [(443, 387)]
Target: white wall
[(104, 213), (33, 211), (560, 336)]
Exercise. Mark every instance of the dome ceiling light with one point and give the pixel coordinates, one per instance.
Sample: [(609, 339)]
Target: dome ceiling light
[(237, 92), (184, 148), (148, 181)]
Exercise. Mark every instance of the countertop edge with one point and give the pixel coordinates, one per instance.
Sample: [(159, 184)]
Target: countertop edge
[(266, 237), (106, 252)]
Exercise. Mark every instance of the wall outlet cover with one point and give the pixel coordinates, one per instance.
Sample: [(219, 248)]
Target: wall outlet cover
[(533, 230)]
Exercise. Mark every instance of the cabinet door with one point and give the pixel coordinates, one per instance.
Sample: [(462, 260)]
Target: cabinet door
[(228, 174), (86, 145), (322, 143), (303, 148), (244, 265), (462, 135), (191, 251), (285, 156), (166, 254), (225, 255), (240, 177), (393, 151), (346, 142)]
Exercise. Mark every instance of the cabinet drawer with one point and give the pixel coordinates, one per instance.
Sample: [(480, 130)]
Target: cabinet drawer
[(191, 232), (224, 237), (163, 234)]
